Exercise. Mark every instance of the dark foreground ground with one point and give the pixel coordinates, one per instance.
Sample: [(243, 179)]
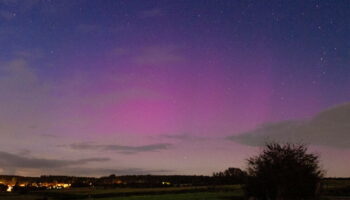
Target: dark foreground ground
[(333, 189), (171, 193)]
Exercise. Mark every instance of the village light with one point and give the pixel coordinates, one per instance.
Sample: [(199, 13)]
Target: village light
[(9, 188)]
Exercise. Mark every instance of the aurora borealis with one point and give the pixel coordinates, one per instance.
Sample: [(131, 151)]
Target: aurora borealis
[(167, 87)]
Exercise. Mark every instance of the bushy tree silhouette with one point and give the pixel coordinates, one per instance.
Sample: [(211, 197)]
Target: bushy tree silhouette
[(3, 187), (283, 172), (230, 176)]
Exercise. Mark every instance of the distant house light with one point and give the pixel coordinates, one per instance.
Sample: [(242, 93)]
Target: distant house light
[(9, 188)]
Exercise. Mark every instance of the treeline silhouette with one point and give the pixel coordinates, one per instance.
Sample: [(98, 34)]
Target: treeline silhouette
[(229, 176)]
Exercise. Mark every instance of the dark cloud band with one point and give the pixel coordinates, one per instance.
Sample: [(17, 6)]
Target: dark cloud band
[(329, 128), (120, 148), (17, 161)]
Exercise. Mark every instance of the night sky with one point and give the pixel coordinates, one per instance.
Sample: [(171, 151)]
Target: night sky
[(170, 87)]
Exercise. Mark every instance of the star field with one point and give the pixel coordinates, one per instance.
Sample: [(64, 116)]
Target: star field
[(160, 86)]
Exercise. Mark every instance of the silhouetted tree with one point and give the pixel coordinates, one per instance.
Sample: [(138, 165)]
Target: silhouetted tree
[(284, 172), (3, 188), (230, 176)]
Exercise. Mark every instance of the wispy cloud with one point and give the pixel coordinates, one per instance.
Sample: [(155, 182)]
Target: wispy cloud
[(42, 7), (19, 5), (20, 70), (119, 51), (7, 15), (17, 71), (18, 161), (120, 148), (11, 163), (25, 163), (155, 12), (24, 94), (48, 135), (183, 137), (87, 28), (329, 128), (158, 55), (106, 171)]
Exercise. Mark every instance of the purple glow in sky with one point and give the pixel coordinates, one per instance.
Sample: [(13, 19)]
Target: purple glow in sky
[(170, 87)]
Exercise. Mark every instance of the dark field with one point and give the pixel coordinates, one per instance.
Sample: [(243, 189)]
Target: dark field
[(189, 193), (333, 189)]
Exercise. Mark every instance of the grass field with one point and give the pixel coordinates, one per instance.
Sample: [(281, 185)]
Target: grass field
[(185, 196), (180, 193), (334, 189)]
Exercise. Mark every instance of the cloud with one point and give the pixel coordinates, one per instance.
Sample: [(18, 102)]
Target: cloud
[(20, 5), (29, 55), (17, 161), (120, 148), (17, 71), (7, 15), (183, 137), (157, 55), (81, 171), (24, 94), (120, 51), (99, 29), (87, 28), (155, 12), (120, 96), (328, 128), (48, 135), (18, 78), (6, 32), (18, 164), (40, 6)]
